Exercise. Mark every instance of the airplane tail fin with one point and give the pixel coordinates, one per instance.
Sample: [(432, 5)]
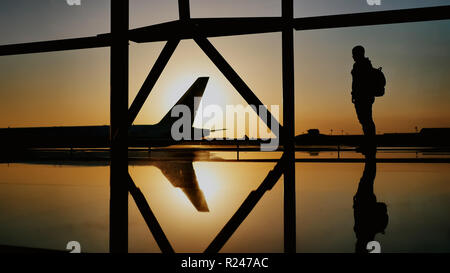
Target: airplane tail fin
[(196, 90)]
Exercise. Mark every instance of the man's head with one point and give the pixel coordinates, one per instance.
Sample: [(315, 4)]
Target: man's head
[(358, 53)]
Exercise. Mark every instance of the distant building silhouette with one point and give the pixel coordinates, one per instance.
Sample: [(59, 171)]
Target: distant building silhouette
[(437, 132), (313, 132)]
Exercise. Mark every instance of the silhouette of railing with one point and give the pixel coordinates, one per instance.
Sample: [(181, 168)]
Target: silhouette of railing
[(199, 29)]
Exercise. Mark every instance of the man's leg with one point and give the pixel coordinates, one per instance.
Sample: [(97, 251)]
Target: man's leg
[(364, 113), (369, 123)]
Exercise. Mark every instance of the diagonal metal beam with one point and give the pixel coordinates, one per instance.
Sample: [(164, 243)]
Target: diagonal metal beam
[(149, 217), (235, 80), (56, 45), (373, 18), (220, 27), (151, 79), (209, 27), (247, 206)]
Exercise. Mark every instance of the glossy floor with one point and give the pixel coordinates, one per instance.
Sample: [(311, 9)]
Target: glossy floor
[(46, 206)]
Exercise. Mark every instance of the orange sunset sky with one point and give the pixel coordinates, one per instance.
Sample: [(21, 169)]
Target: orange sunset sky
[(72, 87)]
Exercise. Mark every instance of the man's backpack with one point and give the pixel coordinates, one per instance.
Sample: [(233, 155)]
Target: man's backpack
[(379, 82)]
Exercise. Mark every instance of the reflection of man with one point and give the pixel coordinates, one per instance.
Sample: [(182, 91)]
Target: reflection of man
[(370, 216), (363, 97)]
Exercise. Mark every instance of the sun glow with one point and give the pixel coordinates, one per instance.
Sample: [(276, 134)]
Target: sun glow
[(209, 181)]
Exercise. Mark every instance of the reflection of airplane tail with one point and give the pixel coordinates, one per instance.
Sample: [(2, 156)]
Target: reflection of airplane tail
[(197, 198), (196, 90), (182, 175)]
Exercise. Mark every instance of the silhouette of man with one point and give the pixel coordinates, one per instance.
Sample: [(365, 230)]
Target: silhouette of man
[(370, 216), (363, 98)]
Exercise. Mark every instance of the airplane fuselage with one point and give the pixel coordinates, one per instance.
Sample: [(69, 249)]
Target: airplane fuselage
[(84, 136), (159, 134)]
